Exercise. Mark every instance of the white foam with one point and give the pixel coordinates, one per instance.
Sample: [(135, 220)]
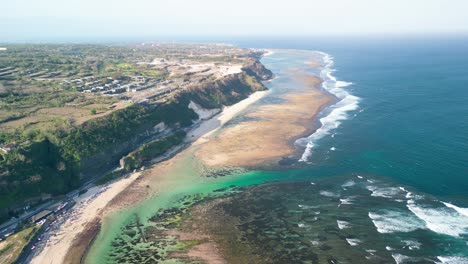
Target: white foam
[(360, 177), (395, 221), (386, 192), (268, 53), (328, 194), (338, 112), (389, 248), (348, 183), (315, 242), (343, 224), (462, 211), (332, 148), (307, 206), (442, 220), (301, 225), (346, 201), (453, 260), (400, 258), (353, 241), (412, 244)]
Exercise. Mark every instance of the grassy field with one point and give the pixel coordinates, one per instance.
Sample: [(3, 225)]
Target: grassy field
[(11, 248), (24, 115), (119, 69)]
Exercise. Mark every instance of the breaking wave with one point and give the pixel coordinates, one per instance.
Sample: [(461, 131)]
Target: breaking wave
[(353, 241), (338, 112), (395, 221), (453, 260), (462, 211), (386, 192), (442, 220), (343, 224), (329, 194)]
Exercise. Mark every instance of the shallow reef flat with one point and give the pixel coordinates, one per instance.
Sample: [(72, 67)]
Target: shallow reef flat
[(266, 134), (341, 219)]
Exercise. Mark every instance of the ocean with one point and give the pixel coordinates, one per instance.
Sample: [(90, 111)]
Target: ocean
[(401, 121), (412, 120), (385, 176)]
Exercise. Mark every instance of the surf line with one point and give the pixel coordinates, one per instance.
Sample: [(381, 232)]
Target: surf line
[(336, 113)]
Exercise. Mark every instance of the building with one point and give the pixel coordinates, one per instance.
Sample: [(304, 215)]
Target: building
[(138, 79)]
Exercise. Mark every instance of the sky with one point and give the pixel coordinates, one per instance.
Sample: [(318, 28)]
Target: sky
[(55, 19)]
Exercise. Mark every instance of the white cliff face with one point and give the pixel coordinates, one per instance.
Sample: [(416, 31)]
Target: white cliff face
[(203, 114)]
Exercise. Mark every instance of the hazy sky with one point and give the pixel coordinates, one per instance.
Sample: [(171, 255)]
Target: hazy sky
[(32, 19)]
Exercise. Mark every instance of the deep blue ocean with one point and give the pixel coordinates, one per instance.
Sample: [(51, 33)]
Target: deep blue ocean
[(413, 123), (406, 143)]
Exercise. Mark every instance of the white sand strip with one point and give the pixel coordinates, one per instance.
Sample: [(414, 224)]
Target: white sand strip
[(91, 204)]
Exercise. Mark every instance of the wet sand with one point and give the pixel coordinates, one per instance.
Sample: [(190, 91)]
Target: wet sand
[(85, 215), (207, 128), (269, 133)]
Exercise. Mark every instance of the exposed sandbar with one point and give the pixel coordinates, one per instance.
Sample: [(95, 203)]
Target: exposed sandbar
[(271, 132)]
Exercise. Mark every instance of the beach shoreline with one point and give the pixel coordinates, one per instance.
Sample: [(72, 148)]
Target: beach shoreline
[(267, 138), (136, 188), (88, 208), (89, 217), (200, 134)]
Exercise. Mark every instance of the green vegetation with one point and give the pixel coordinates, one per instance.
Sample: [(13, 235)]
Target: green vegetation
[(34, 169), (52, 165), (120, 69), (33, 124), (11, 248), (101, 134), (53, 161), (59, 132), (152, 149), (228, 91)]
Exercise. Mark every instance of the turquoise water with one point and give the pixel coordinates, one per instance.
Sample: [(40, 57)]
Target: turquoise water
[(414, 120), (391, 156), (407, 124)]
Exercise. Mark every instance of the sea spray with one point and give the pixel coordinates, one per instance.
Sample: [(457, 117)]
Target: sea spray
[(442, 220), (337, 112), (462, 211)]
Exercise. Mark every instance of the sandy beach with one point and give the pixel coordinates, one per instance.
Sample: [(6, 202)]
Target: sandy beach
[(93, 206), (88, 208), (208, 127)]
